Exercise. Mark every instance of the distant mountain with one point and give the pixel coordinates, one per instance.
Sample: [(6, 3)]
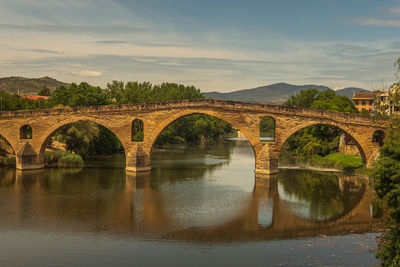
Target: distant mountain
[(349, 91), (26, 86), (274, 94)]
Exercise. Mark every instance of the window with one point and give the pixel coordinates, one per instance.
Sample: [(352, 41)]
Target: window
[(378, 137), (267, 129), (25, 132), (363, 103), (137, 130)]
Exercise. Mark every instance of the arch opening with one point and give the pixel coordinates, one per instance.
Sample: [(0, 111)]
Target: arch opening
[(198, 150), (322, 145), (196, 127), (378, 137), (7, 153), (93, 142), (25, 132), (137, 131), (213, 136), (267, 129)]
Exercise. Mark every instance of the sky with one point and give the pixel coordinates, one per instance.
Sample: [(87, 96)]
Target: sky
[(215, 45)]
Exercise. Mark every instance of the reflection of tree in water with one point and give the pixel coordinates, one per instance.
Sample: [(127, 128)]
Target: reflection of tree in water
[(328, 195), (7, 178), (189, 162), (75, 180)]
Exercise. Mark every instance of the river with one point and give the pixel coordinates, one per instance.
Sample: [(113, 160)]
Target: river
[(200, 205)]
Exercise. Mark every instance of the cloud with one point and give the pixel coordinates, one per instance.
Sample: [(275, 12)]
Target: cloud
[(45, 51), (142, 44), (338, 88), (110, 42), (88, 73), (111, 29), (394, 10), (377, 22)]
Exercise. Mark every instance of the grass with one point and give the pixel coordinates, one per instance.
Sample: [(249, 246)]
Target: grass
[(62, 158), (337, 161)]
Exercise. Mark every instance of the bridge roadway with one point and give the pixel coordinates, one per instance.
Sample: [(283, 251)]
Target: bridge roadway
[(243, 116)]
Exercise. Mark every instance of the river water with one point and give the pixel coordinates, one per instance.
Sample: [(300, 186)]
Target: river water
[(198, 206)]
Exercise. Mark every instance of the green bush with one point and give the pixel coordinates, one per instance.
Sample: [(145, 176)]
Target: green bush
[(62, 158), (344, 161), (52, 157), (70, 160)]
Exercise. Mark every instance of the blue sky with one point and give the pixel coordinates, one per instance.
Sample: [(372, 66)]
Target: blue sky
[(214, 45)]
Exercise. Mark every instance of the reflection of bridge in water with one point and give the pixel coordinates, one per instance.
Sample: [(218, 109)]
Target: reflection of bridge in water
[(137, 209)]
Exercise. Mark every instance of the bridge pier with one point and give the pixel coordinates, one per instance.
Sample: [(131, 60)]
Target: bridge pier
[(266, 159), (28, 159), (138, 160)]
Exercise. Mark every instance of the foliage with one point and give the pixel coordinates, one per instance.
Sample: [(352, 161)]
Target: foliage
[(387, 186), (79, 95), (136, 92), (45, 91), (337, 161), (62, 158), (344, 161), (194, 129), (327, 100), (52, 157), (78, 136), (321, 190), (137, 130), (15, 102), (389, 246), (105, 143), (71, 160)]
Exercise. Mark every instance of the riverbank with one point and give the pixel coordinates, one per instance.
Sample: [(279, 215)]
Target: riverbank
[(331, 162)]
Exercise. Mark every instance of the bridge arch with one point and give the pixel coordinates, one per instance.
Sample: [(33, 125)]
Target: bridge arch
[(49, 133), (357, 140), (8, 143), (184, 113)]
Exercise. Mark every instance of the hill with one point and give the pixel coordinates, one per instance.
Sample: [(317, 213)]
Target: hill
[(27, 86), (349, 91), (275, 93)]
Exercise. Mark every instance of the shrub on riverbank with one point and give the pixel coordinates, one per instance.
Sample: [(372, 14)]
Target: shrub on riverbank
[(337, 161), (71, 160), (387, 186), (344, 161), (7, 161), (63, 158)]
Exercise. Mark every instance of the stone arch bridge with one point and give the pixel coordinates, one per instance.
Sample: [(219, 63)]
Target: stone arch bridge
[(119, 119)]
